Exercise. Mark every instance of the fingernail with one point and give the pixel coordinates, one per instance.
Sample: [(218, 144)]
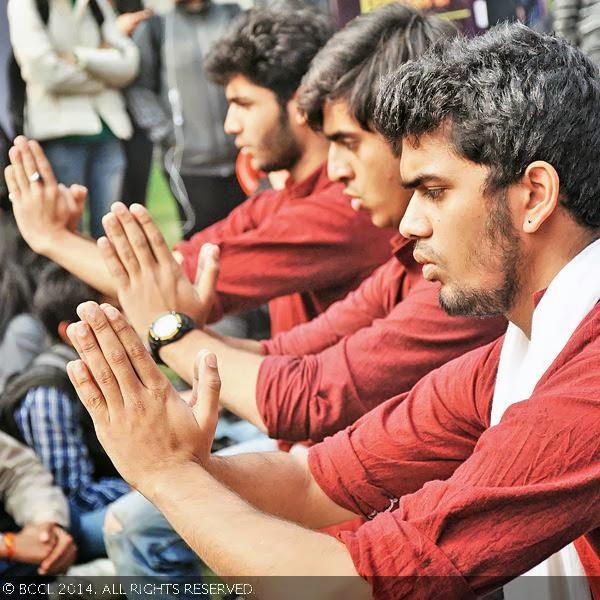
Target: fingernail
[(78, 369), (211, 361), (136, 208), (119, 208), (82, 330), (102, 242), (91, 310), (111, 312), (71, 331), (108, 220)]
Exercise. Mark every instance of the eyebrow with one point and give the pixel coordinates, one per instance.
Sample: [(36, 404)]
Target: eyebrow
[(235, 99), (339, 136), (422, 179)]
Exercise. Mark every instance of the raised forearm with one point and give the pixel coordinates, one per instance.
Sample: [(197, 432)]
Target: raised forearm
[(80, 256), (237, 540), (279, 483), (239, 371)]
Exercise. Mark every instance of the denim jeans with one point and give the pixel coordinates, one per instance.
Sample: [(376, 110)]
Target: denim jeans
[(86, 529), (148, 545), (100, 166)]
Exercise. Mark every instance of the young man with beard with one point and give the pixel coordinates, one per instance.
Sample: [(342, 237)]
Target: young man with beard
[(379, 341), (490, 466), (300, 248)]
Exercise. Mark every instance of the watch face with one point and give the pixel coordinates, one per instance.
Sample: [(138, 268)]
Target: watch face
[(166, 326)]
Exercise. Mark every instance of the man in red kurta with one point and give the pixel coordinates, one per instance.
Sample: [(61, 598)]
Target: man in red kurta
[(300, 248), (490, 467)]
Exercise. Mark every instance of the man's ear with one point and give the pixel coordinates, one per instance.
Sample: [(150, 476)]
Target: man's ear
[(296, 115), (62, 332), (541, 185)]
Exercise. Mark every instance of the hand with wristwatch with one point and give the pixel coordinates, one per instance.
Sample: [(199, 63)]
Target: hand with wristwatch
[(166, 329)]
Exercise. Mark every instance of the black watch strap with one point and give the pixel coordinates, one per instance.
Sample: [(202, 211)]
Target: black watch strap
[(187, 324)]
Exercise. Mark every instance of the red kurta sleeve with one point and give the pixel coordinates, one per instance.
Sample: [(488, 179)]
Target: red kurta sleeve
[(311, 397), (274, 245), (373, 299), (498, 500)]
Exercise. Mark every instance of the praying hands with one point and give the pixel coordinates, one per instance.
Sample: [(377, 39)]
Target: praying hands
[(43, 208), (148, 279), (145, 427)]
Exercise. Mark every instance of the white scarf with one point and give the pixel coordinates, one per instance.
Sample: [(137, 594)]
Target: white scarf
[(571, 295)]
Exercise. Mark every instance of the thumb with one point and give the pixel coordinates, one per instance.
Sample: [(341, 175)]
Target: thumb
[(80, 193), (206, 391), (208, 272)]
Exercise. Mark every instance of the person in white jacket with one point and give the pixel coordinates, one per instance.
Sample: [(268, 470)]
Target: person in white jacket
[(33, 515), (74, 61)]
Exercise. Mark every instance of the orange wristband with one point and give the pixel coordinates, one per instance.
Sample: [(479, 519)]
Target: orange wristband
[(9, 545)]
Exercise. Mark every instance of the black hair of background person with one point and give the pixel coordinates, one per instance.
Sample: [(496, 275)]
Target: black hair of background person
[(15, 288), (125, 6), (57, 296), (355, 75), (271, 48), (499, 95)]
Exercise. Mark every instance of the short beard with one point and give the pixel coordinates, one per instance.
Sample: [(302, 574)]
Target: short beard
[(284, 149), (499, 234)]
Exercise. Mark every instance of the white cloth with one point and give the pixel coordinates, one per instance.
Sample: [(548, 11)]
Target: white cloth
[(569, 298), (72, 99)]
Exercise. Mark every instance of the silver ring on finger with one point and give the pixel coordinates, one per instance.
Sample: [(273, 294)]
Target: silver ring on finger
[(35, 177)]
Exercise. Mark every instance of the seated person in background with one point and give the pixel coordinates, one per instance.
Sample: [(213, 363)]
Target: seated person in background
[(33, 516), (40, 408), (378, 342), (22, 336), (489, 467), (300, 248)]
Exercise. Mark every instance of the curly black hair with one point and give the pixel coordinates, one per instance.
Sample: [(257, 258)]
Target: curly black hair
[(273, 48), (353, 62), (506, 99)]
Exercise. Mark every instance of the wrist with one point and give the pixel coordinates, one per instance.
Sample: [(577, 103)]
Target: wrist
[(167, 477), (50, 242), (7, 546)]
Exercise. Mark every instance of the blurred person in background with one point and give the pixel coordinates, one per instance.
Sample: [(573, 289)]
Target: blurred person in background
[(182, 111), (22, 337), (74, 59), (33, 516), (579, 22), (138, 148)]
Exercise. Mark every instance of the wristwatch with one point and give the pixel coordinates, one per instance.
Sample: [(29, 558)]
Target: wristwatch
[(166, 329)]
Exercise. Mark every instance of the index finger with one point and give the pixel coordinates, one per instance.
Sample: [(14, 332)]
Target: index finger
[(43, 164), (109, 351), (29, 163), (153, 235)]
